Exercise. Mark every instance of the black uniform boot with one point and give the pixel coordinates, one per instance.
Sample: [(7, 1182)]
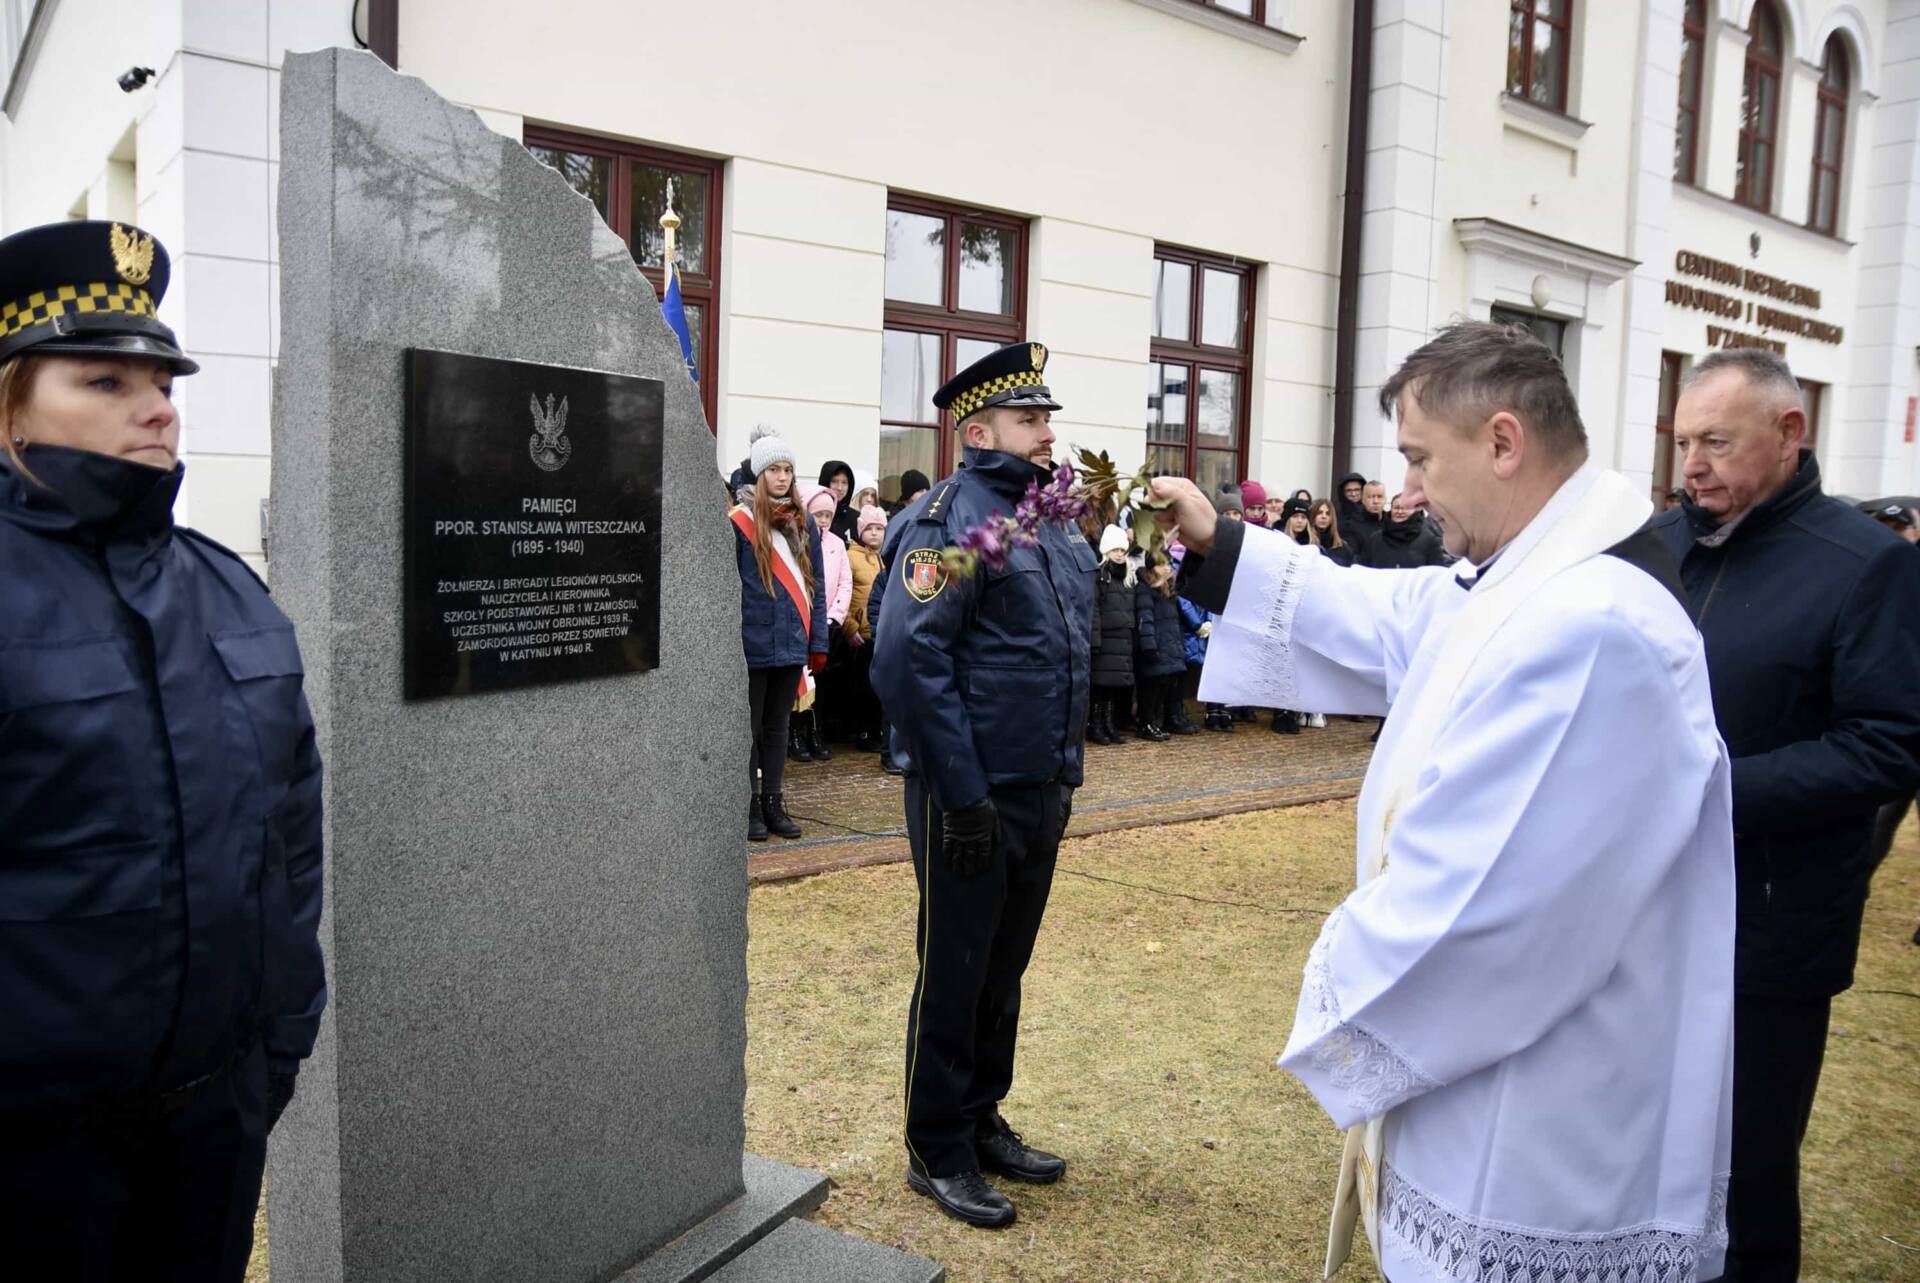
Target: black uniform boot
[(816, 742), (1151, 731), (756, 827), (965, 1197), (773, 809), (797, 750), (1177, 720), (1001, 1150), (1109, 722), (1286, 722)]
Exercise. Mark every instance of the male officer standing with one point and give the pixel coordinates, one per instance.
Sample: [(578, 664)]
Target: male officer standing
[(985, 681)]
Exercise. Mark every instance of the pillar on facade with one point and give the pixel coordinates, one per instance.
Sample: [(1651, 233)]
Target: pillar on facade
[(1400, 225), (1793, 172), (1877, 453), (1726, 66)]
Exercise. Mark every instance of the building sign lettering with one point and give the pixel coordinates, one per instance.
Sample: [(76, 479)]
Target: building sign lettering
[(1728, 307)]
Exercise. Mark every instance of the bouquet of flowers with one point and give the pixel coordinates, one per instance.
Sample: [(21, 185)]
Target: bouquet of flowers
[(1096, 487)]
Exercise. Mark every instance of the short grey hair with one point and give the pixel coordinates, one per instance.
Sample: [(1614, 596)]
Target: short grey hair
[(1472, 370), (1762, 367)]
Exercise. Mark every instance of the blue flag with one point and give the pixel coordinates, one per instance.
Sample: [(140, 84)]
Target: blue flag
[(676, 314)]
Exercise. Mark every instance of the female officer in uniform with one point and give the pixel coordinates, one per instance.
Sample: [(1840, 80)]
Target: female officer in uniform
[(160, 969)]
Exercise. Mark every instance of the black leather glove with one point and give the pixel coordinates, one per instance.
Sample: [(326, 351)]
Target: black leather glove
[(279, 1094), (967, 836)]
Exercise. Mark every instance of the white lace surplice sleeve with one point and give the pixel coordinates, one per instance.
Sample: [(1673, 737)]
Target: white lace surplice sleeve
[(1513, 874), (1300, 632)]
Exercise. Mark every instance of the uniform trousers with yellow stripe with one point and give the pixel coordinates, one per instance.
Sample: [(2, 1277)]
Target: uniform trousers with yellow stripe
[(974, 939)]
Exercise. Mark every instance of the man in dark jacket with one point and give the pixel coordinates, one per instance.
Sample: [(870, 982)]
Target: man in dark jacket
[(1809, 614), (984, 677), (1406, 542)]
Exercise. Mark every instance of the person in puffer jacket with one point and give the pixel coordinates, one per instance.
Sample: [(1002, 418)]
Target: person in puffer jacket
[(806, 736), (783, 622), (1122, 619), (1161, 663)]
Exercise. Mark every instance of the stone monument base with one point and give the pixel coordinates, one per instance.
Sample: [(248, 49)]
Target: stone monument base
[(757, 1239)]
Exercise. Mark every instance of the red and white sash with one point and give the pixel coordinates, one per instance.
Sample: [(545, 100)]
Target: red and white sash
[(786, 572)]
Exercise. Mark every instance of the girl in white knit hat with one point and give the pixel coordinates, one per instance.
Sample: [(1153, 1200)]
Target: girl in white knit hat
[(783, 621)]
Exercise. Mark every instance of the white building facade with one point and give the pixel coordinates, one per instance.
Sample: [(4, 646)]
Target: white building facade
[(874, 193)]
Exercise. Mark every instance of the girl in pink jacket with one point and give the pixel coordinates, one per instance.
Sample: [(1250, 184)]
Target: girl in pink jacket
[(806, 741)]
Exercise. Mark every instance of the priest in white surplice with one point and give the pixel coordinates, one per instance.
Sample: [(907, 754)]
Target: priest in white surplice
[(1524, 1011)]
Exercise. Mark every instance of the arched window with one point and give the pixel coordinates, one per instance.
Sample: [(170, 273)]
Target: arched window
[(1829, 139), (1693, 65), (1759, 108)]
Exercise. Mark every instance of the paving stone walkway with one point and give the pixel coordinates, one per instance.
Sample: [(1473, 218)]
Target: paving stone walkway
[(849, 810)]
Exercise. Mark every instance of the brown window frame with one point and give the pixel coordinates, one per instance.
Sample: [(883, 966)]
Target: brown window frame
[(1746, 192), (948, 320), (1198, 356), (1693, 45), (1672, 369), (1830, 104), (1258, 16), (1524, 90), (695, 287)]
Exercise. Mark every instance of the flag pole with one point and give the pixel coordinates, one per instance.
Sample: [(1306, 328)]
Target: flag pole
[(669, 223)]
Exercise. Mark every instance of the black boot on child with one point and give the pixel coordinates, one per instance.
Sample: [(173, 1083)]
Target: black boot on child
[(774, 810), (816, 742)]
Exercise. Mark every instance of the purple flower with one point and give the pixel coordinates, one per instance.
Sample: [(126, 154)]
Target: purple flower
[(986, 542)]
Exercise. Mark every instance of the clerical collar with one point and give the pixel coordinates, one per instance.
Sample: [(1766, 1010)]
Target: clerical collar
[(1571, 491), (1468, 580)]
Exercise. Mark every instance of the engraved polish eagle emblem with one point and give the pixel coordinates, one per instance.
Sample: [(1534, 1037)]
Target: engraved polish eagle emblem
[(548, 446), (132, 254)]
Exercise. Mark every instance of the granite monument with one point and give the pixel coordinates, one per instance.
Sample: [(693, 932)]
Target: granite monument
[(532, 1067)]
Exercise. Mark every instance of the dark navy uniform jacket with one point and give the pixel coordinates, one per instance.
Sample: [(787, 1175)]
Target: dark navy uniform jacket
[(1809, 612), (159, 800), (984, 678)]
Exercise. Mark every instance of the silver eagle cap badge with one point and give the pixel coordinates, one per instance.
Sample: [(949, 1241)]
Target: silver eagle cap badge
[(548, 446)]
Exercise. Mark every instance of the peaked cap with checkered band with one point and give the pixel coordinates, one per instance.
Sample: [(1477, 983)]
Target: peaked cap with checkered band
[(86, 288), (1011, 376)]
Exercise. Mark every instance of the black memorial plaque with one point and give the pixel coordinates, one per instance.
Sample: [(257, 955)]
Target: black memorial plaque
[(532, 524)]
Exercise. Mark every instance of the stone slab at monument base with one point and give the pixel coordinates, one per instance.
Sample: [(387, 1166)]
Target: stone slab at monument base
[(756, 1238)]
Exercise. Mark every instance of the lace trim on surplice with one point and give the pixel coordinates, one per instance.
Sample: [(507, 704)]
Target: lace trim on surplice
[(1285, 581), (1371, 1071), (1473, 1251)]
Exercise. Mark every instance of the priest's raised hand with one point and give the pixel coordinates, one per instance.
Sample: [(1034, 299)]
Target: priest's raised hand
[(1189, 511)]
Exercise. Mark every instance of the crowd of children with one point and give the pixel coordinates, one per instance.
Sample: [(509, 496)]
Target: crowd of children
[(809, 558)]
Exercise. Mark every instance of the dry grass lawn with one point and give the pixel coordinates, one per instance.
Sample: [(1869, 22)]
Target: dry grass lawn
[(1150, 1027), (1148, 1036)]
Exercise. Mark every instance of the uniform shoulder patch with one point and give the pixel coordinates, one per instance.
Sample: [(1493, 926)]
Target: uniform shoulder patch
[(936, 508), (207, 542), (922, 574)]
